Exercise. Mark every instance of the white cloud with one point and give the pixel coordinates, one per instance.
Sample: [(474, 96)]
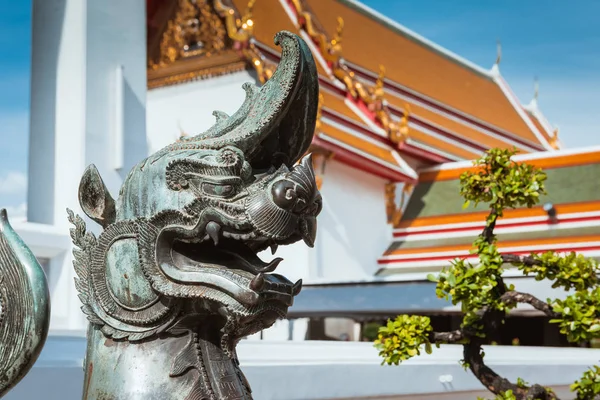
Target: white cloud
[(13, 182), (17, 213)]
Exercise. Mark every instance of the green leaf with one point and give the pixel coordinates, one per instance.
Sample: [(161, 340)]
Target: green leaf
[(594, 328), (428, 348), (466, 204), (451, 279)]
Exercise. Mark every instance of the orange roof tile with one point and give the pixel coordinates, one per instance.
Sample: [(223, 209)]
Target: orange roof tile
[(380, 152), (538, 125), (336, 103), (456, 150), (369, 42), (450, 125)]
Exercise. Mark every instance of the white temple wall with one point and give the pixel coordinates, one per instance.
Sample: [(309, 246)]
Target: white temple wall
[(116, 88), (188, 107), (352, 230)]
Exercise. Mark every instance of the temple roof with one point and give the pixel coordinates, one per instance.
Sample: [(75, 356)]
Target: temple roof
[(411, 61), (394, 95), (435, 229)]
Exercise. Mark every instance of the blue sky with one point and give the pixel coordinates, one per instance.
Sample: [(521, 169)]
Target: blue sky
[(15, 56), (558, 43)]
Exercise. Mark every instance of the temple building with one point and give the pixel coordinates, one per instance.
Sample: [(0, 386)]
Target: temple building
[(399, 119), (385, 117)]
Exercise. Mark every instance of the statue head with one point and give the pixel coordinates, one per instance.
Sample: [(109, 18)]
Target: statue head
[(180, 243)]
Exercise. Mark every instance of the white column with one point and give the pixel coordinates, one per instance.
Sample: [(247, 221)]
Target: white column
[(356, 333), (116, 86), (56, 142), (300, 329), (88, 98), (278, 332), (57, 136), (88, 94)]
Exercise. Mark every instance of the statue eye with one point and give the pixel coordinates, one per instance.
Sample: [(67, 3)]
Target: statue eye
[(284, 194), (213, 189)]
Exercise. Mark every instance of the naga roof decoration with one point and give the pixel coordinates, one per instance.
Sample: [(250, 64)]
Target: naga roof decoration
[(192, 44), (418, 104), (434, 227)]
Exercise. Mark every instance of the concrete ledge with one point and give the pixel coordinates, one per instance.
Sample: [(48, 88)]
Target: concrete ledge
[(45, 241), (332, 370)]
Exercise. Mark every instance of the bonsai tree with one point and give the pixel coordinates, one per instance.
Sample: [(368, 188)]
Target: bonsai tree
[(486, 299)]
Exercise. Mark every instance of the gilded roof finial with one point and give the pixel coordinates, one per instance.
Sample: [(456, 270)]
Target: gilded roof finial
[(337, 39), (554, 141), (194, 23), (378, 92), (498, 52), (247, 21), (395, 209), (238, 29), (404, 121)]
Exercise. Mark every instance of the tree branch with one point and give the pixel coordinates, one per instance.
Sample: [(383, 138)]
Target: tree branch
[(493, 318), (490, 379), (488, 231), (494, 382), (526, 298), (515, 259), (446, 337)]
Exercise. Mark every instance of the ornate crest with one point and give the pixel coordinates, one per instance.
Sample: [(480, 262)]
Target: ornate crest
[(175, 273)]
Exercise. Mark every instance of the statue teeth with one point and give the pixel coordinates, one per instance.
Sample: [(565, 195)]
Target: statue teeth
[(297, 287), (213, 229), (274, 247), (258, 283)]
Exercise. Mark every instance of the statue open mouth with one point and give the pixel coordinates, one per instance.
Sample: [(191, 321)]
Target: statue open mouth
[(225, 258)]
